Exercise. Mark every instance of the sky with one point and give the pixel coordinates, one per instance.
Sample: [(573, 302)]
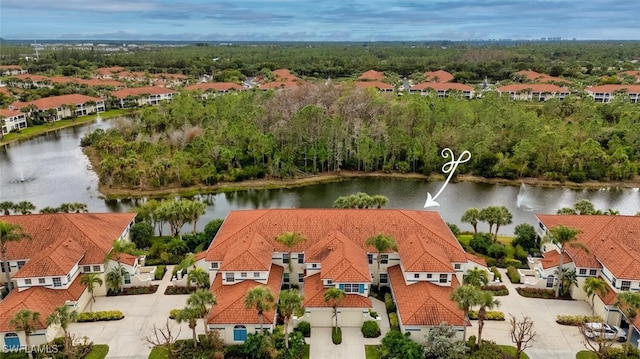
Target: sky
[(319, 20)]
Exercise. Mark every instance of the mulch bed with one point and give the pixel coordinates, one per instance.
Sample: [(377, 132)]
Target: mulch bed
[(134, 291)]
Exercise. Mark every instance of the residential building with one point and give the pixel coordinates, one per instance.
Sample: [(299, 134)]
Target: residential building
[(612, 254), (374, 79), (64, 106), (108, 72), (141, 96), (438, 76), (606, 93), (443, 89), (47, 267), (630, 73), (215, 88), (536, 77), (534, 91), (12, 120), (12, 70), (428, 265), (372, 75), (284, 79)]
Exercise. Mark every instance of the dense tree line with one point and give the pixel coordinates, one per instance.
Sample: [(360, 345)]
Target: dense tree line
[(320, 128)]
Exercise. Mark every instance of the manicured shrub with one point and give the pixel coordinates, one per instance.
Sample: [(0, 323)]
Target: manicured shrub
[(336, 335), (373, 314), (101, 316), (496, 274), (393, 321), (171, 290), (134, 290), (370, 329), (496, 290), (304, 328), (520, 254), (173, 313), (389, 303), (141, 234), (497, 251), (491, 315), (480, 242), (536, 293), (513, 275), (577, 320), (159, 273), (471, 342)]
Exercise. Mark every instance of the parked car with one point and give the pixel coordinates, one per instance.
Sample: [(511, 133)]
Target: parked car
[(609, 332)]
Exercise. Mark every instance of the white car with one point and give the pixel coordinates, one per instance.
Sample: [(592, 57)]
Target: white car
[(609, 332)]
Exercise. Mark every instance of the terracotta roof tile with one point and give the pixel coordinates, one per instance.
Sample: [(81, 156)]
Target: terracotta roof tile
[(280, 84), (372, 75), (375, 84), (552, 259), (438, 76), (284, 74), (542, 78), (341, 260), (424, 303), (109, 70), (476, 259), (230, 308), (57, 101), (542, 88), (314, 296), (630, 89), (56, 260), (128, 259), (610, 297), (249, 253), (9, 113), (218, 86), (10, 67), (139, 91), (442, 86), (419, 255), (32, 77)]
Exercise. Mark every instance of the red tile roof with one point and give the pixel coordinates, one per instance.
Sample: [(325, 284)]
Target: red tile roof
[(341, 260), (543, 78), (218, 86), (542, 88), (438, 76), (250, 252), (476, 259), (275, 85), (126, 258), (314, 296), (424, 303), (632, 73), (10, 67), (420, 255), (138, 91), (39, 299), (57, 101), (58, 259), (372, 75), (442, 86), (230, 308), (610, 297), (552, 259), (611, 240), (284, 74), (9, 113), (32, 77), (109, 70), (630, 89), (375, 84)]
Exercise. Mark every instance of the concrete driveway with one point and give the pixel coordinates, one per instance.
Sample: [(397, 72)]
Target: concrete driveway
[(554, 341), (126, 337)]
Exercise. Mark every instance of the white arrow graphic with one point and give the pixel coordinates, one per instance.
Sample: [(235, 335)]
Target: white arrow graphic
[(450, 168)]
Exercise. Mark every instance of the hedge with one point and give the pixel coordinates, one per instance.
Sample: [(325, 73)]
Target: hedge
[(173, 313), (159, 273), (101, 316), (496, 290), (370, 329), (577, 320), (178, 289), (491, 315), (536, 293), (496, 274), (389, 304), (393, 321), (513, 275), (336, 335), (304, 327)]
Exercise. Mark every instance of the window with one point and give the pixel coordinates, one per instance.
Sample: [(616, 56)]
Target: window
[(286, 277), (229, 276), (613, 282), (384, 259), (416, 276), (300, 258), (86, 269), (429, 275), (351, 287), (127, 278), (626, 285), (285, 258), (243, 275), (57, 282), (550, 280), (96, 268), (457, 266), (583, 271), (256, 274), (27, 281), (384, 278), (239, 333), (41, 281), (314, 265), (593, 271), (443, 278), (214, 265), (2, 265), (21, 264), (370, 258), (300, 277)]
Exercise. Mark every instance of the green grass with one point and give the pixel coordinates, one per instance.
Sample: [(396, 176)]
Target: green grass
[(371, 351), (506, 240), (307, 349), (511, 350), (585, 354), (158, 353), (99, 351)]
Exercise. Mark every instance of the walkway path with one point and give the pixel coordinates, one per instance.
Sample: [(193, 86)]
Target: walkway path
[(126, 337)]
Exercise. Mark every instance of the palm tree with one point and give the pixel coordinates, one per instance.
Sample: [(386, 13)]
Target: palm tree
[(24, 207), (6, 207), (49, 210), (26, 320), (593, 286), (467, 296), (489, 215), (569, 279), (381, 243), (290, 240), (629, 304), (562, 236), (486, 302), (115, 277), (9, 232), (584, 207), (202, 301), (471, 216), (476, 277), (199, 276), (290, 303), (379, 201), (566, 210), (195, 210), (63, 316), (334, 296), (261, 299), (90, 279), (190, 316), (503, 218)]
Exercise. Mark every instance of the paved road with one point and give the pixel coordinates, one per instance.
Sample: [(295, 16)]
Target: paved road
[(126, 337)]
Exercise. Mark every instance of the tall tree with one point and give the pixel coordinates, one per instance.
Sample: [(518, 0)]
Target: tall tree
[(90, 280), (26, 320), (259, 298), (290, 304), (24, 207), (199, 276), (202, 301), (334, 296), (503, 218), (63, 316), (466, 296), (486, 302), (195, 209), (489, 215), (9, 232), (381, 243), (593, 286), (6, 207), (190, 315), (629, 304), (563, 236), (290, 240), (584, 207), (476, 277), (471, 216)]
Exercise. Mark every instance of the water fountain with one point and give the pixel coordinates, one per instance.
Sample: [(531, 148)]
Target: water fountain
[(523, 201)]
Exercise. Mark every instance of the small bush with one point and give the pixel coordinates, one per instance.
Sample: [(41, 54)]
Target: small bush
[(101, 316), (175, 290), (373, 314), (389, 304), (336, 335), (480, 243), (496, 290), (173, 313), (497, 251), (304, 328), (491, 315), (496, 274), (520, 254), (471, 342), (134, 291), (393, 321), (513, 275), (577, 320), (159, 273), (536, 293), (370, 329)]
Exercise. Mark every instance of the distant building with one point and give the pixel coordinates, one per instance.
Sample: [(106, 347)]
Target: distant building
[(12, 120)]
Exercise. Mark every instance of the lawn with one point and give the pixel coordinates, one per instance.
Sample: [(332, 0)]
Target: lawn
[(307, 349), (99, 351), (371, 351), (511, 350), (585, 354), (158, 353)]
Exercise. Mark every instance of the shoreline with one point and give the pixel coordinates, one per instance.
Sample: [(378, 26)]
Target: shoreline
[(331, 177)]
